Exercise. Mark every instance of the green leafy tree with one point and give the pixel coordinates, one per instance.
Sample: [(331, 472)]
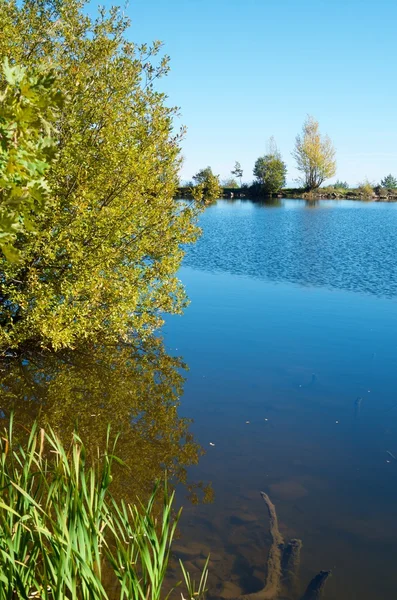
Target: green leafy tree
[(341, 184), (389, 182), (208, 188), (270, 171), (29, 103), (237, 171), (103, 259), (203, 175), (314, 154), (230, 183)]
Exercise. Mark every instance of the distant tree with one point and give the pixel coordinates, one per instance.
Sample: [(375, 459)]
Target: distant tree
[(271, 146), (270, 171), (230, 183), (237, 171), (202, 175), (341, 184), (366, 189), (208, 188), (389, 182), (314, 154)]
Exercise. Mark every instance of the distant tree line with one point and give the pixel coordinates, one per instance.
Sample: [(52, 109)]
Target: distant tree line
[(314, 154)]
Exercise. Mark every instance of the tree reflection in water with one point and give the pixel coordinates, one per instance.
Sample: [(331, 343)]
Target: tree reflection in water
[(133, 387)]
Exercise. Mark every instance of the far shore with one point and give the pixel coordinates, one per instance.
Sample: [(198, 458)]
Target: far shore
[(378, 195)]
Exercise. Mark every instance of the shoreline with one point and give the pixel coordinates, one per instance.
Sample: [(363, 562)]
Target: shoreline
[(299, 194), (337, 196)]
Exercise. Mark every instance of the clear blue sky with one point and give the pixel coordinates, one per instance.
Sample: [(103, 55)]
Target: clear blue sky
[(243, 70)]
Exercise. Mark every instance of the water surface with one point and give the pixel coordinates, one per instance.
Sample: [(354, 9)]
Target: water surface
[(290, 339)]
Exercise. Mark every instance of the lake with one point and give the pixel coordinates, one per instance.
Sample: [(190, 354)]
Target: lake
[(291, 340)]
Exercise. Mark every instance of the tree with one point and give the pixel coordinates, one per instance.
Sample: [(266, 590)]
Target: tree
[(103, 260), (314, 154), (237, 171), (365, 189), (271, 147), (270, 171), (341, 184), (29, 103), (208, 188), (203, 175), (230, 183), (389, 182)]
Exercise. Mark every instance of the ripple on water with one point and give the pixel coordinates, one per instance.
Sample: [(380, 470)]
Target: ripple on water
[(348, 246)]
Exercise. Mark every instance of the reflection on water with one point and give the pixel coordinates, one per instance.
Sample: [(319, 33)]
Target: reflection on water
[(291, 389), (334, 244), (135, 390), (295, 387)]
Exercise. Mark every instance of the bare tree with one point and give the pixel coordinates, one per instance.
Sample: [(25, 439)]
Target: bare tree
[(237, 171)]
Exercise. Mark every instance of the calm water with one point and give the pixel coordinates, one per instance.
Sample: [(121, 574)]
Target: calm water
[(291, 342)]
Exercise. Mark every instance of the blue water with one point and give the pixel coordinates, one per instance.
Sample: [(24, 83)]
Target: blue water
[(291, 341), (339, 244)]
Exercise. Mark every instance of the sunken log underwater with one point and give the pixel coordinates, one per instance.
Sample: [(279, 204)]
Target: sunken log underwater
[(283, 563)]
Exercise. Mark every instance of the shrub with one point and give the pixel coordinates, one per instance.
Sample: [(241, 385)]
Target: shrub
[(365, 189)]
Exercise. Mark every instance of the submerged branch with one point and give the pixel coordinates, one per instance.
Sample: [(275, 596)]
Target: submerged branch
[(273, 579), (272, 586), (283, 564), (290, 564), (316, 587)]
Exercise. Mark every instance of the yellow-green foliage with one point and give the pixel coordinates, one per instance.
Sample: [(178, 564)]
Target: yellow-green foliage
[(28, 107), (135, 390), (314, 154), (208, 188), (365, 189), (104, 257)]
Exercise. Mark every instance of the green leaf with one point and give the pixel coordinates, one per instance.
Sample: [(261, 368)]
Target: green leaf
[(11, 253)]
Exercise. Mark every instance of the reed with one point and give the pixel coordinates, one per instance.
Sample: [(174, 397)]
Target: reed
[(61, 529)]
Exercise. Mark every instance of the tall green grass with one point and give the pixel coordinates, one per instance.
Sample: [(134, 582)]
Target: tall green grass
[(62, 533)]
